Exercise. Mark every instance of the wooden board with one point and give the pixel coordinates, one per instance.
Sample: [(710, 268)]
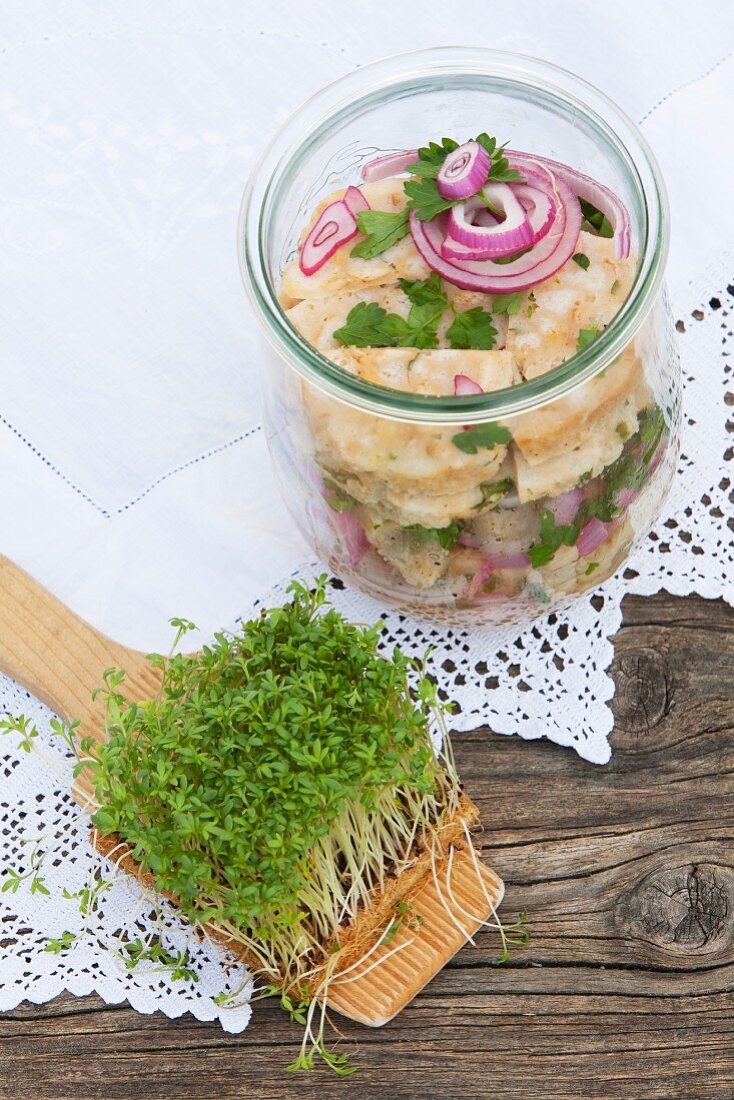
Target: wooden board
[(627, 988)]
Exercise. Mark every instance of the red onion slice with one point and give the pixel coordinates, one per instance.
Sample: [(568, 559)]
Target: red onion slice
[(517, 559), (464, 171), (468, 240), (593, 534), (565, 507), (392, 164), (625, 497), (355, 200), (334, 226), (591, 191), (542, 261), (353, 534), (464, 386)]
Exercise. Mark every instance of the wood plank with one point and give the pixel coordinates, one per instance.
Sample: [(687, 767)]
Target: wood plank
[(627, 986)]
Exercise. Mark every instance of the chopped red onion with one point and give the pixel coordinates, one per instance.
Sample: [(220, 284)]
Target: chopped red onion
[(391, 164), (464, 386), (624, 497), (565, 507), (334, 226), (353, 534), (464, 171), (593, 534), (355, 200)]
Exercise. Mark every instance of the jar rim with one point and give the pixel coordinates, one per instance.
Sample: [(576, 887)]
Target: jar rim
[(412, 72)]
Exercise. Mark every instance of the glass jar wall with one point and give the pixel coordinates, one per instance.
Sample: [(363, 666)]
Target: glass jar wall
[(499, 506)]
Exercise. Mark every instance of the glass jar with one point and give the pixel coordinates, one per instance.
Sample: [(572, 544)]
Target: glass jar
[(386, 485)]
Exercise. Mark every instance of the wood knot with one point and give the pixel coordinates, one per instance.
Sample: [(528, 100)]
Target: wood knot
[(641, 700), (683, 910)]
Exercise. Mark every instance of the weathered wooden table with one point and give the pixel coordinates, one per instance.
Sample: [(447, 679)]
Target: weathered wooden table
[(627, 987)]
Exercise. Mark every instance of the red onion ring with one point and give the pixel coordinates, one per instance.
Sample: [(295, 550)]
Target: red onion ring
[(584, 187), (542, 261), (464, 171), (467, 240), (391, 164), (334, 226)]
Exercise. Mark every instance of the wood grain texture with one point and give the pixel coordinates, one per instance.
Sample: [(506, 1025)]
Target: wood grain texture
[(627, 987)]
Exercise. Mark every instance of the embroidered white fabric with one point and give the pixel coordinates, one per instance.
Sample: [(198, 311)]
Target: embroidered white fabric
[(126, 138)]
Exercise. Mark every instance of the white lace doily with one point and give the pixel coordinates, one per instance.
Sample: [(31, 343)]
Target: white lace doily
[(99, 498)]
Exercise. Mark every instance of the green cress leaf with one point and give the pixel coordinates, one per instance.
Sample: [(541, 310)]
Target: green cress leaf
[(472, 328), (581, 259), (551, 538), (587, 336), (508, 303), (482, 435), (365, 328), (382, 230)]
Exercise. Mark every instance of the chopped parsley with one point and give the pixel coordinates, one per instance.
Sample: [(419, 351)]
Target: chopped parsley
[(551, 538), (483, 435), (446, 536), (472, 328), (369, 325), (580, 259), (508, 303), (382, 229), (591, 567), (587, 336), (493, 491), (594, 221)]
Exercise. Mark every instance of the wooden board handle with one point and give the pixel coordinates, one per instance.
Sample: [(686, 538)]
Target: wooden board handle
[(57, 656)]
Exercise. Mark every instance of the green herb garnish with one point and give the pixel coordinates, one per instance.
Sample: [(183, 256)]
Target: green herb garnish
[(594, 221), (580, 259), (446, 536), (472, 328), (483, 435), (508, 303), (382, 230), (493, 491), (586, 336), (590, 568), (551, 538), (423, 194)]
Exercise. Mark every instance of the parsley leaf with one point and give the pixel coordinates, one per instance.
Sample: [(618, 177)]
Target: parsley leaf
[(482, 435), (472, 328), (586, 337), (382, 229), (581, 259), (423, 292), (369, 325), (594, 221), (508, 303), (365, 328), (494, 491), (446, 536), (500, 170), (431, 157), (425, 198), (551, 538)]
